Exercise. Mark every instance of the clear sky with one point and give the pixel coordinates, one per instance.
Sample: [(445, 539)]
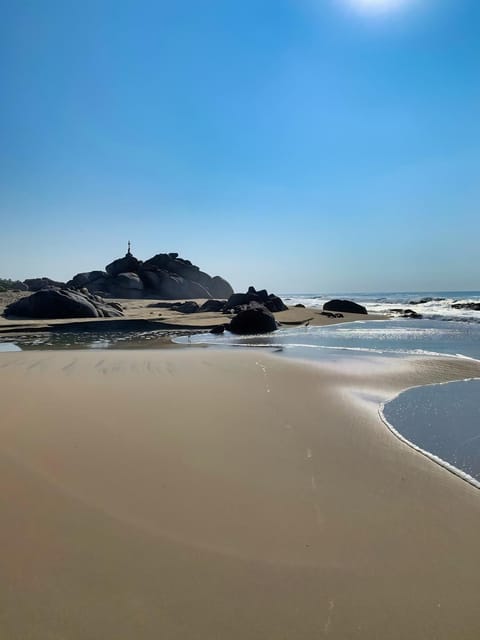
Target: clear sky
[(298, 145)]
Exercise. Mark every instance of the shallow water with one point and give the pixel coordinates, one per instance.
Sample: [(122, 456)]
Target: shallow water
[(87, 340), (392, 337), (443, 420)]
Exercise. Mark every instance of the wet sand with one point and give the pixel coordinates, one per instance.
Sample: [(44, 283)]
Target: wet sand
[(198, 494)]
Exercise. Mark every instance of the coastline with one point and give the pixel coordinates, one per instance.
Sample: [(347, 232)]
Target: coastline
[(428, 454), (202, 493), (143, 315)]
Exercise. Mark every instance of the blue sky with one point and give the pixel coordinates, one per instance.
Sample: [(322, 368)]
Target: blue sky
[(299, 145)]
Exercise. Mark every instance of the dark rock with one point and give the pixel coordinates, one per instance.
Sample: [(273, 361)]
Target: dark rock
[(83, 279), (127, 264), (299, 306), (20, 286), (328, 314), (161, 305), (425, 300), (160, 261), (220, 328), (165, 275), (35, 284), (256, 319), (220, 288), (472, 306), (237, 300), (186, 307), (347, 306), (61, 303), (409, 313), (213, 306), (274, 303)]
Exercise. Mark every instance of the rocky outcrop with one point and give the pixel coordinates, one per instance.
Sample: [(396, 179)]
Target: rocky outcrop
[(165, 275), (62, 303), (81, 279), (190, 306), (471, 306), (406, 313), (239, 301), (127, 264), (410, 313), (345, 306), (426, 300), (35, 284), (253, 320), (212, 306)]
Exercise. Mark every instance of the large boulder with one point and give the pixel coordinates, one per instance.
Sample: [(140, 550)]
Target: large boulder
[(253, 320), (238, 300), (35, 284), (124, 285), (170, 263), (61, 303), (171, 286), (347, 306), (471, 306), (219, 287), (127, 264), (212, 306), (189, 306), (85, 279)]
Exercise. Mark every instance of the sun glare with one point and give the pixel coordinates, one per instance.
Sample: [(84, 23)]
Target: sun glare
[(377, 6)]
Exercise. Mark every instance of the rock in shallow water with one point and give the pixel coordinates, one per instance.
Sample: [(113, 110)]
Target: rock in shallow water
[(256, 319)]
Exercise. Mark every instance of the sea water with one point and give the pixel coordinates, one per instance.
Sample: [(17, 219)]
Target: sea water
[(443, 421), (432, 305)]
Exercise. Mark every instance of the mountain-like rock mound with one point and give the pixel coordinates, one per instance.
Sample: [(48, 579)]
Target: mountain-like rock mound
[(165, 275)]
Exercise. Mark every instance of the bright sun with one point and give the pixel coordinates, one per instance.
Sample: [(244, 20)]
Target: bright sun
[(377, 5)]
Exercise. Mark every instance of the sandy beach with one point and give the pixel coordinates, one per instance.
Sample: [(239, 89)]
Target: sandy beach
[(189, 494), (153, 316)]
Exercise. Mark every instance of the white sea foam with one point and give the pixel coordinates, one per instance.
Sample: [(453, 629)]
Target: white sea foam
[(435, 309)]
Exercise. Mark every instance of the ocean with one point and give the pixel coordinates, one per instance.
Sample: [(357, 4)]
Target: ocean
[(442, 330), (433, 305)]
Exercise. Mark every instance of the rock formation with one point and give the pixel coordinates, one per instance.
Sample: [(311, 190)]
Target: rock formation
[(239, 301), (35, 284), (63, 303), (471, 306), (165, 275), (255, 319), (347, 306)]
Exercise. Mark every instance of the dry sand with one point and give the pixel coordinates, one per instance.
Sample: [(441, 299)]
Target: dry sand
[(196, 494)]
